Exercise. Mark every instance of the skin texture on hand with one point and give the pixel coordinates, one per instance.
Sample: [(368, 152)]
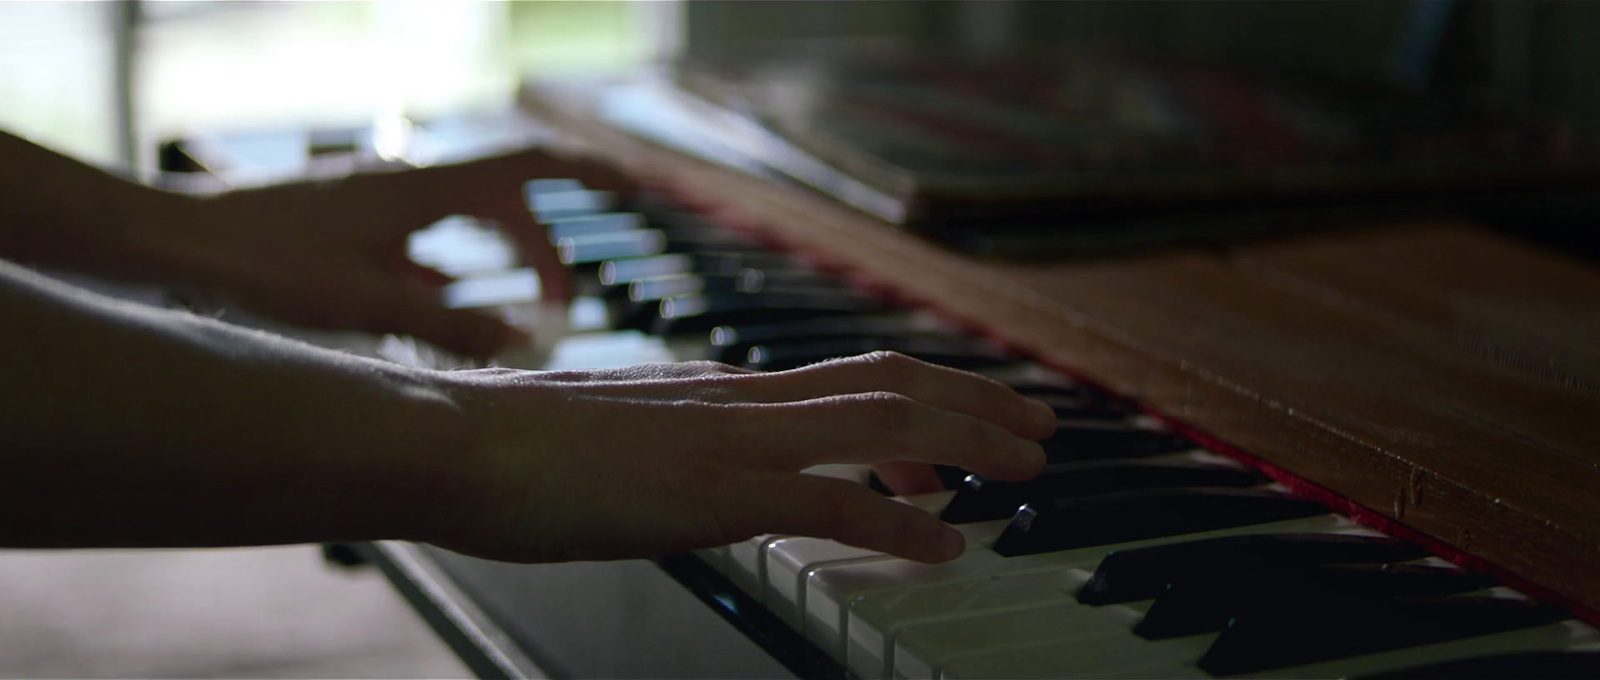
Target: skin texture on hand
[(332, 254), (132, 426), (658, 459), (329, 253)]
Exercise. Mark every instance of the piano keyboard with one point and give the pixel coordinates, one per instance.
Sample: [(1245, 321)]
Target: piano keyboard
[(1136, 554)]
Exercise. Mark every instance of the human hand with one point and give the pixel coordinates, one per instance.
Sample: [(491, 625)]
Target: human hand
[(663, 458), (332, 254)]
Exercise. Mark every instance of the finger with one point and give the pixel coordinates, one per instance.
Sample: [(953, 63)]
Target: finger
[(541, 163), (423, 274), (807, 505), (882, 426), (946, 388), (905, 478), (468, 333), (591, 171), (535, 250)]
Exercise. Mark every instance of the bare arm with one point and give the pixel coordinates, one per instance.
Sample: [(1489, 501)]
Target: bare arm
[(126, 425), (60, 212), (326, 253), (129, 426)]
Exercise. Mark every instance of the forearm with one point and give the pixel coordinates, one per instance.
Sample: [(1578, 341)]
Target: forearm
[(58, 212), (124, 425)]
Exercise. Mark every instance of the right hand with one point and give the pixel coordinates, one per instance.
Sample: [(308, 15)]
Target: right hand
[(662, 458), (332, 253)]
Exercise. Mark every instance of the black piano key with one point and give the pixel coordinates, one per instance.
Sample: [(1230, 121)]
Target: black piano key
[(1079, 401), (700, 313), (1039, 391), (953, 352), (1205, 603), (1105, 519), (681, 240), (1280, 634), (1082, 440), (1077, 440), (746, 281), (737, 340), (981, 499), (951, 476), (1074, 408), (1549, 665), (689, 227), (1143, 573), (623, 272), (638, 305)]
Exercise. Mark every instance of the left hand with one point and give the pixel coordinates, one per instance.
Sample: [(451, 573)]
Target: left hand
[(332, 254)]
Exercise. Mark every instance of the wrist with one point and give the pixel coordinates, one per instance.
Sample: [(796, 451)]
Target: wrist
[(502, 489), (167, 237), (421, 459), (136, 233)]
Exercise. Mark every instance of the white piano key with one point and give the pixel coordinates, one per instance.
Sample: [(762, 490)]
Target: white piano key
[(1563, 635), (1119, 654), (827, 587), (716, 558), (849, 472), (923, 650), (744, 562), (746, 567), (871, 643), (835, 594), (782, 570), (791, 559), (607, 350), (872, 629), (460, 246), (1092, 657), (1133, 657)]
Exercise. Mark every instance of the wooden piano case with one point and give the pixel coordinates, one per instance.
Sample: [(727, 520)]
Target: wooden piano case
[(1431, 377)]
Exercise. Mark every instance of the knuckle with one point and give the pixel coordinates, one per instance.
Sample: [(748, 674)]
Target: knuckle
[(710, 381), (715, 368), (894, 413), (893, 368), (502, 373)]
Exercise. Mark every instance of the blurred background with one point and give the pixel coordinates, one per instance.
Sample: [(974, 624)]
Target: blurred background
[(109, 81), (105, 80)]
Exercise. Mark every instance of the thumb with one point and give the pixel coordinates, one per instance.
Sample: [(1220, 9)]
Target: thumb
[(465, 332)]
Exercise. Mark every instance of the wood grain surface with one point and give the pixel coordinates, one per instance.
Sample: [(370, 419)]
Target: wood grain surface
[(1434, 373)]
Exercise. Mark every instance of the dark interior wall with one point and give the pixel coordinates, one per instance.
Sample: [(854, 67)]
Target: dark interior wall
[(1564, 56), (731, 28), (1546, 54), (1354, 40), (1326, 36)]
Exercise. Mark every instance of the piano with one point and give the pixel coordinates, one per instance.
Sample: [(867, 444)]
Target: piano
[(1364, 453)]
